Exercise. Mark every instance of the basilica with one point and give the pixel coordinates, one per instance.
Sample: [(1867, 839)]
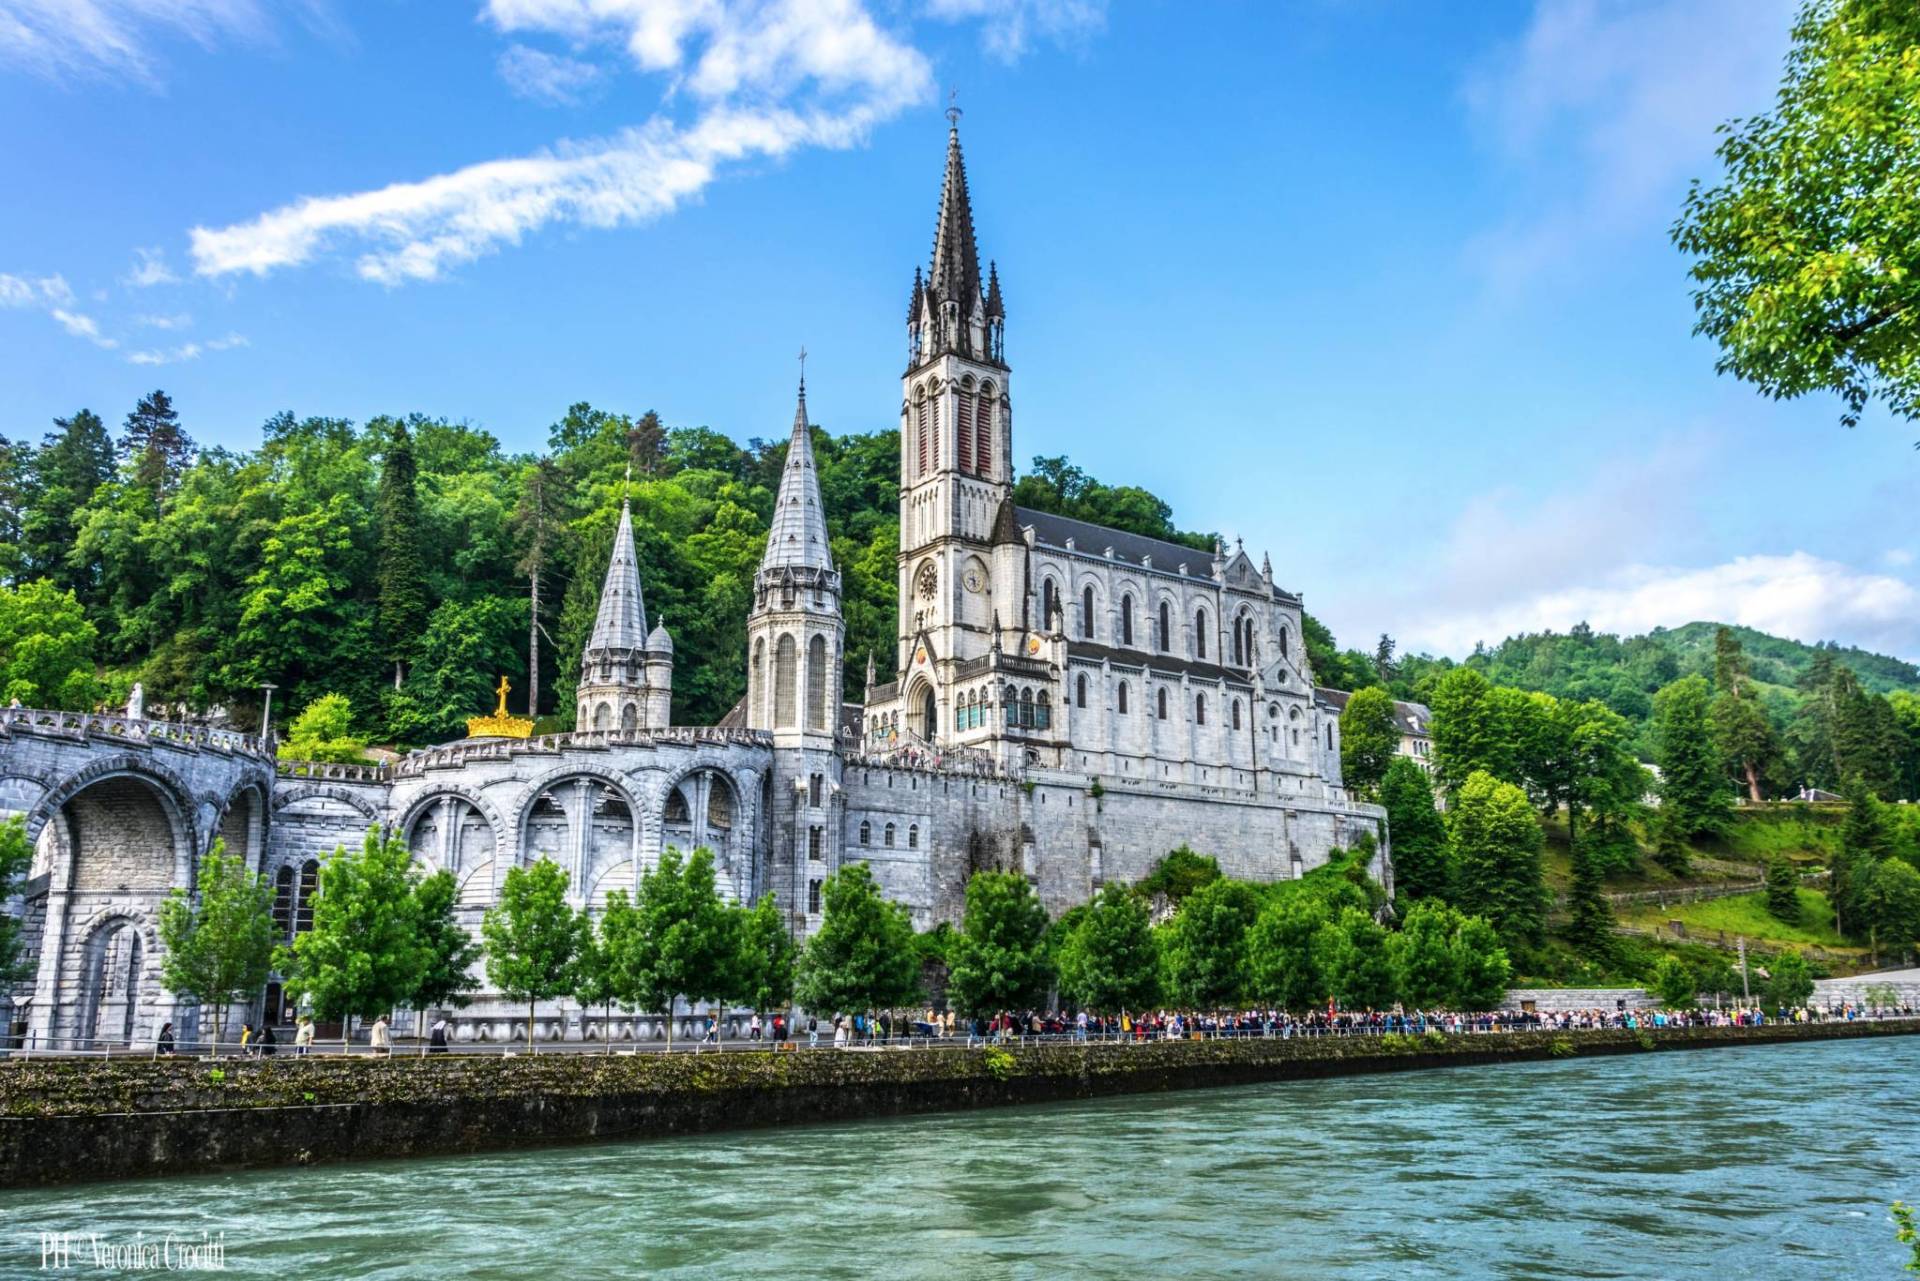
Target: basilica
[(1064, 700)]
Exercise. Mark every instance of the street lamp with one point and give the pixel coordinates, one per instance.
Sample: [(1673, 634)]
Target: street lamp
[(266, 710)]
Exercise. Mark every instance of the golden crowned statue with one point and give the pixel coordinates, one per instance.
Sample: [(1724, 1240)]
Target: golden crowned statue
[(500, 724)]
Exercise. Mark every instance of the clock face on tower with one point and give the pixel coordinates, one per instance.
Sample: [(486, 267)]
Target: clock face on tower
[(974, 581), (929, 582)]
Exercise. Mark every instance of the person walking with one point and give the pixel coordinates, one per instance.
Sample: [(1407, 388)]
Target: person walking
[(813, 1032), (268, 1041), (381, 1040), (164, 1045), (303, 1036), (840, 1032), (246, 1039), (753, 1028), (437, 1039)]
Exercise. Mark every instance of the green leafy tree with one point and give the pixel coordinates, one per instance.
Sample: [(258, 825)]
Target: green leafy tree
[(1750, 745), (466, 648), (1426, 969), (1485, 968), (400, 572), (765, 968), (1673, 983), (1472, 730), (1179, 874), (1352, 955), (16, 857), (687, 941), (451, 952), (1783, 890), (610, 947), (1789, 981), (323, 731), (1110, 961), (1494, 843), (1418, 832), (1807, 252), (1206, 951), (1282, 967), (46, 649), (1890, 907), (1369, 739), (219, 939), (1694, 796), (366, 952), (863, 956), (532, 936), (1866, 837), (999, 961)]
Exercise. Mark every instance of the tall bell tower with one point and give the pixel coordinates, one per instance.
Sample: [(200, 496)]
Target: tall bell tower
[(955, 470)]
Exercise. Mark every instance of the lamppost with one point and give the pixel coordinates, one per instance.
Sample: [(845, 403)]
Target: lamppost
[(266, 710)]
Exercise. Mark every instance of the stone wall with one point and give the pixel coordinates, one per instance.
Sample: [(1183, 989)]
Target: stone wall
[(66, 1120)]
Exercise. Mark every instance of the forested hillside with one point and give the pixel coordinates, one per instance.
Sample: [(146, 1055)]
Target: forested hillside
[(335, 557)]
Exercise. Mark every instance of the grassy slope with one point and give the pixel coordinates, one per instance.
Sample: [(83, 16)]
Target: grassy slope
[(1746, 914)]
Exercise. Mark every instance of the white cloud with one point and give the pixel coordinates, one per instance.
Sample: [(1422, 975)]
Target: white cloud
[(1626, 92), (1798, 595), (64, 39), (1897, 557), (1009, 27), (39, 291), (82, 326), (227, 343), (179, 320), (844, 73), (151, 270), (547, 78), (169, 356)]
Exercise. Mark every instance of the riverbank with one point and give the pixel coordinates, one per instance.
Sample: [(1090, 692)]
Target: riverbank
[(68, 1120)]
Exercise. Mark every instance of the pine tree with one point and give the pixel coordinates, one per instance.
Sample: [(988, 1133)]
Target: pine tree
[(400, 572), (1590, 915), (538, 521), (1865, 839), (646, 444), (73, 461), (154, 443), (1741, 725), (1783, 890), (1694, 795)]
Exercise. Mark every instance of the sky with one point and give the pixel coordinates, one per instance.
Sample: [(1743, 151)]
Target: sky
[(1382, 287)]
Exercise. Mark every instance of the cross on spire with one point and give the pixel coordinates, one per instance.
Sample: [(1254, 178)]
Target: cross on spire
[(953, 109), (803, 368)]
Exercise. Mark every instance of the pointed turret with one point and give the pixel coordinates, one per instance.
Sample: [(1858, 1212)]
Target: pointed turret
[(798, 538), (955, 274), (622, 620), (996, 309), (917, 298)]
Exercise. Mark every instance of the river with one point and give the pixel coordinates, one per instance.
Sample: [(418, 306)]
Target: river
[(1766, 1162)]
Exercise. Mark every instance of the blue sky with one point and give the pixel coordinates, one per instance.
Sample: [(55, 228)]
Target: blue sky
[(1383, 288)]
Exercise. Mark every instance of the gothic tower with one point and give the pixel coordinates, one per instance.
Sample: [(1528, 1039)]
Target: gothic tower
[(626, 674), (955, 471), (795, 649)]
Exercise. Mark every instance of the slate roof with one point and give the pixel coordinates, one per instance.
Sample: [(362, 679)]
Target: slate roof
[(798, 536), (1050, 530), (1408, 718), (622, 620)]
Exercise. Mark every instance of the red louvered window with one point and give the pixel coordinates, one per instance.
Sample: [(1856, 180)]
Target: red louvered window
[(983, 432), (936, 433), (920, 435), (963, 443)]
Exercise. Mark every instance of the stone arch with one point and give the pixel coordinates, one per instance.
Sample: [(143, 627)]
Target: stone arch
[(785, 678), (923, 709), (121, 784), (242, 822), (118, 984), (293, 794), (704, 802), (176, 791), (462, 864)]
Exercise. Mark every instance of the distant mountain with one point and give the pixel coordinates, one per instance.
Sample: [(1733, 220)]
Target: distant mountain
[(1779, 661)]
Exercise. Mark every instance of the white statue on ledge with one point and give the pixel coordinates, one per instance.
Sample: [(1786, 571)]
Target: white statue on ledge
[(137, 703)]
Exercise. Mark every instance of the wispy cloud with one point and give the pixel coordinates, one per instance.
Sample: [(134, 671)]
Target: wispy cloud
[(547, 78), (1009, 27), (82, 326), (34, 291), (179, 320), (151, 268), (1606, 109), (183, 352), (72, 39)]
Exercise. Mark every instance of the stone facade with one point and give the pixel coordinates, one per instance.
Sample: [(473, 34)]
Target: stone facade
[(1065, 701)]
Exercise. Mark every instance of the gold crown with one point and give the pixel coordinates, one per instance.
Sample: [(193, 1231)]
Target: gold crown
[(499, 723)]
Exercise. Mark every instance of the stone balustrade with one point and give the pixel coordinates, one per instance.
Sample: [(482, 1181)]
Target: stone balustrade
[(96, 725)]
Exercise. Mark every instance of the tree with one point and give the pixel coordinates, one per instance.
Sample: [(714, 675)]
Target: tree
[(1471, 730), (46, 649), (323, 731), (1179, 874), (400, 573), (366, 952), (156, 447), (1494, 845), (1282, 967), (1783, 890), (1693, 789), (1418, 832), (537, 524), (16, 857), (451, 952), (863, 956), (1000, 960), (1426, 969), (764, 969), (1351, 953), (1369, 739), (1807, 252), (685, 940), (1789, 981), (1673, 983), (1484, 966), (532, 936), (1865, 839), (1741, 725), (1207, 948), (1110, 960), (1589, 914), (1890, 907), (466, 648), (218, 939)]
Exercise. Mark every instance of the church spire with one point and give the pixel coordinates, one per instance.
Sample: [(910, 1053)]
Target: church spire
[(622, 620), (955, 274), (798, 539)]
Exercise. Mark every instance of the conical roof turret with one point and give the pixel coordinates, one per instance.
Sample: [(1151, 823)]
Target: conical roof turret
[(955, 274), (798, 539), (622, 620)]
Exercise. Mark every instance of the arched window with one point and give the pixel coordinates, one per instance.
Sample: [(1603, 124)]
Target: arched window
[(757, 684), (1236, 713), (866, 832), (963, 436), (1166, 628), (1086, 612), (817, 683), (1199, 633), (921, 430), (1199, 709), (1049, 602), (983, 430), (1026, 709), (629, 718), (1329, 735), (603, 716), (813, 896), (283, 904), (913, 836), (1080, 690), (935, 450), (887, 836), (1042, 711), (1011, 702), (303, 898), (1283, 642), (785, 656), (1160, 700), (1122, 697), (1126, 620)]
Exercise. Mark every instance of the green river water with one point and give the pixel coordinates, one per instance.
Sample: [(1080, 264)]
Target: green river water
[(1767, 1162)]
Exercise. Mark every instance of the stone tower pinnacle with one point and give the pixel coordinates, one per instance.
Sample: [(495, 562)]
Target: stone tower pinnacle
[(798, 537)]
